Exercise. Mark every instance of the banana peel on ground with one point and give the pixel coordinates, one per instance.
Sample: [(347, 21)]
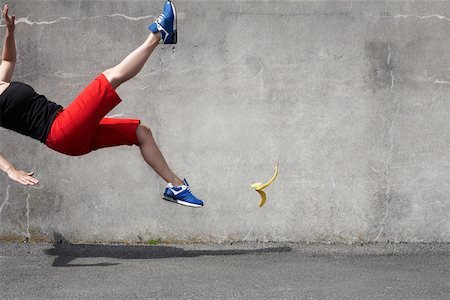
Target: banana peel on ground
[(260, 186)]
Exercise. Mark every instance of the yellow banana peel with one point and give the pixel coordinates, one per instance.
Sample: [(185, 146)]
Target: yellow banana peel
[(259, 187), (263, 198)]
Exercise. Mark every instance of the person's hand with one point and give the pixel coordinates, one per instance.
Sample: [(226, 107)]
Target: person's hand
[(10, 22), (22, 177)]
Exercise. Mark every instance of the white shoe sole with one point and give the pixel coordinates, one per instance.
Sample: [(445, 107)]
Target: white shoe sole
[(182, 202)]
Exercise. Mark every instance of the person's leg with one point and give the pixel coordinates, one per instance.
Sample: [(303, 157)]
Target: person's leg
[(80, 119), (153, 156), (74, 128), (113, 132), (133, 63), (164, 28)]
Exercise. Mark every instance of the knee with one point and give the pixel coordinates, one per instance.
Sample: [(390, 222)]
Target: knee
[(113, 77), (145, 129), (143, 133)]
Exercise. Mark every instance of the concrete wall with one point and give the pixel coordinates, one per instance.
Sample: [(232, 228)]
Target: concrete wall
[(352, 99)]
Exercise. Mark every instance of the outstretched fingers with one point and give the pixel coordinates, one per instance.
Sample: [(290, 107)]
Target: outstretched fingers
[(29, 180), (23, 177), (10, 21), (5, 12)]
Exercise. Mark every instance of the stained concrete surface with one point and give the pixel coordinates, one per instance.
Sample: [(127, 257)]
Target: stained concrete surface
[(238, 271), (351, 97)]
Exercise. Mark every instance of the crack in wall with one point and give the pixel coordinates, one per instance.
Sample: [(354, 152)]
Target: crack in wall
[(392, 81), (26, 20), (248, 234), (400, 16), (441, 82), (440, 17), (27, 214), (388, 188), (6, 199), (389, 56), (142, 89), (126, 17), (391, 71)]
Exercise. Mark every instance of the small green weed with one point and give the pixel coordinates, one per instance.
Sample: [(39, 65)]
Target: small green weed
[(154, 242)]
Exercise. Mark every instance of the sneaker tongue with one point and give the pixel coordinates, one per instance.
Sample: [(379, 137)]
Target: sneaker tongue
[(170, 185)]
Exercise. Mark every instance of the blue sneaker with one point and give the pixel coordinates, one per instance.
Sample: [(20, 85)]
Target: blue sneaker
[(181, 195), (166, 24)]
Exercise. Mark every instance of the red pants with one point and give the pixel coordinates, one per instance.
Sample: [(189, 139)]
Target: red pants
[(82, 126)]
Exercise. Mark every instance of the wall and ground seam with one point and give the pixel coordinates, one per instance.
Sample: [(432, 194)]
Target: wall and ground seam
[(350, 97)]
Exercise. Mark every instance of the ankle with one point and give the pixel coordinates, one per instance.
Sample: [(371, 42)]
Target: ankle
[(176, 181), (154, 38)]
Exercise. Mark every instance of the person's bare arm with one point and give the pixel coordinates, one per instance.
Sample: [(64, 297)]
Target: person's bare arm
[(21, 177), (6, 71), (9, 48)]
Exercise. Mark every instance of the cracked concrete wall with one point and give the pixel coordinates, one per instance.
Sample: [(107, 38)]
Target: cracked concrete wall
[(351, 97)]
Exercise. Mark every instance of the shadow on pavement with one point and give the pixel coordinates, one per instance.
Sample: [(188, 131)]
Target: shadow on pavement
[(66, 252)]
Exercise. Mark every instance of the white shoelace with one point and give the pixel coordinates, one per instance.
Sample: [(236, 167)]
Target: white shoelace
[(160, 18), (186, 189)]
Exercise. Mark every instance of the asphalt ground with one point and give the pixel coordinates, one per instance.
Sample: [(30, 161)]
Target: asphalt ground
[(224, 271)]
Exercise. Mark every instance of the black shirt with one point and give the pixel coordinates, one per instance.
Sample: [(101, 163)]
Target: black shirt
[(26, 112)]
